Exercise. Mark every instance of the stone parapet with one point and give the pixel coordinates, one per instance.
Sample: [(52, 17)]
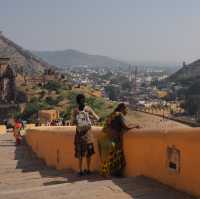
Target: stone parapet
[(169, 156), (2, 129)]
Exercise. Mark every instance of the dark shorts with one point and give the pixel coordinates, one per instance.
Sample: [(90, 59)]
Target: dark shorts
[(82, 147), (83, 150)]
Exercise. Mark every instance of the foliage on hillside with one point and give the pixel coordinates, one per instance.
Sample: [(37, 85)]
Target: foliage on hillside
[(102, 107), (55, 95)]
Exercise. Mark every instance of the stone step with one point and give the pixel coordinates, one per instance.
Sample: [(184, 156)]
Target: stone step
[(34, 182), (38, 192), (46, 172), (23, 161), (12, 158), (23, 165), (20, 169)]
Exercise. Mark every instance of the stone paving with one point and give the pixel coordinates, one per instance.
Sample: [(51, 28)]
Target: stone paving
[(23, 175)]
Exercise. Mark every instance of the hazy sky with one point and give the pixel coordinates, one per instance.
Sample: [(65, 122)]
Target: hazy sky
[(135, 30)]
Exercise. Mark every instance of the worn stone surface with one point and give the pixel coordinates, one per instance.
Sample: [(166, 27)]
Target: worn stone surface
[(7, 84), (22, 175)]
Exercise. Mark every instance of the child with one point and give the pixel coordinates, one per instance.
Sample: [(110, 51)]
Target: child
[(83, 138)]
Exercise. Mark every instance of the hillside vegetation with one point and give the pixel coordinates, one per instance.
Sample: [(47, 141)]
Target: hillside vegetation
[(59, 96)]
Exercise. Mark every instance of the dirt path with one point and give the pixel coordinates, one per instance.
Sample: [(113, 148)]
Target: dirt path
[(151, 121)]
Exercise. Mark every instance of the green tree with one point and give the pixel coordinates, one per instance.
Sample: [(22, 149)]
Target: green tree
[(51, 101), (53, 85), (31, 110), (112, 92)]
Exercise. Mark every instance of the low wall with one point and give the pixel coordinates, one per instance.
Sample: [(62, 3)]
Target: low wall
[(28, 126), (169, 156), (148, 153), (56, 146), (2, 129)]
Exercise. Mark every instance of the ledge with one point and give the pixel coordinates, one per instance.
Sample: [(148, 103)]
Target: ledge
[(170, 156), (2, 129)]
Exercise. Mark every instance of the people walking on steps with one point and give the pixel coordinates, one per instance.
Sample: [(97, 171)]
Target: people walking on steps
[(111, 142), (82, 117), (17, 128)]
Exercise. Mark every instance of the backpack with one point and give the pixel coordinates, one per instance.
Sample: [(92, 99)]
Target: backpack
[(83, 123)]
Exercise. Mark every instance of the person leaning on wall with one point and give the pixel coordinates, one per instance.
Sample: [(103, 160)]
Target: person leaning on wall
[(111, 143)]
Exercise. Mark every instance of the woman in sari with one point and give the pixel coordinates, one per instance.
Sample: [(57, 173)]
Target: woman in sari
[(111, 142)]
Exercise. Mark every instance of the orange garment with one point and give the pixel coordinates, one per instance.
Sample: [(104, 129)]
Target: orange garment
[(17, 130)]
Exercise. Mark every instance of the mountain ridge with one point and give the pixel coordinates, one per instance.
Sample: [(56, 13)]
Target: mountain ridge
[(187, 72), (20, 58), (71, 57)]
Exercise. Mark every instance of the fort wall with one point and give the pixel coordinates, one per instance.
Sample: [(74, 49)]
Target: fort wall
[(170, 156)]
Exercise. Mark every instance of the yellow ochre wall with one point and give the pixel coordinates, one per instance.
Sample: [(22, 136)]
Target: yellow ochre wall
[(48, 115), (2, 129), (56, 146), (145, 152)]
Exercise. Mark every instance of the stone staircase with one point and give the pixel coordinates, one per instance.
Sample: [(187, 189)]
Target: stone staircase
[(23, 175)]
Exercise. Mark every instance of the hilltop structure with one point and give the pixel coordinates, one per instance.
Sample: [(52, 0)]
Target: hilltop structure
[(7, 82), (7, 89)]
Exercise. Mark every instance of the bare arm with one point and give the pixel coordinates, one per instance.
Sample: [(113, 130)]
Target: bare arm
[(126, 125), (73, 118), (92, 113)]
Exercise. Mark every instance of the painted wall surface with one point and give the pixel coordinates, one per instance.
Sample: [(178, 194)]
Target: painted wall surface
[(2, 129), (56, 146), (30, 126), (48, 115), (145, 152)]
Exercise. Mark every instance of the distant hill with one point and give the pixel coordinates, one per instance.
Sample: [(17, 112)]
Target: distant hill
[(21, 59), (190, 72), (74, 58)]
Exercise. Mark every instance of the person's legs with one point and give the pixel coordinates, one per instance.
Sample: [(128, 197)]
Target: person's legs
[(18, 141), (88, 159), (118, 163), (90, 152), (80, 165), (79, 152)]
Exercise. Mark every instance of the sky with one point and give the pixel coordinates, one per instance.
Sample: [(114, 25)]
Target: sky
[(160, 31)]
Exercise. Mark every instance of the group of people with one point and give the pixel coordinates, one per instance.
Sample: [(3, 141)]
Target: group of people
[(110, 140), (57, 122)]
